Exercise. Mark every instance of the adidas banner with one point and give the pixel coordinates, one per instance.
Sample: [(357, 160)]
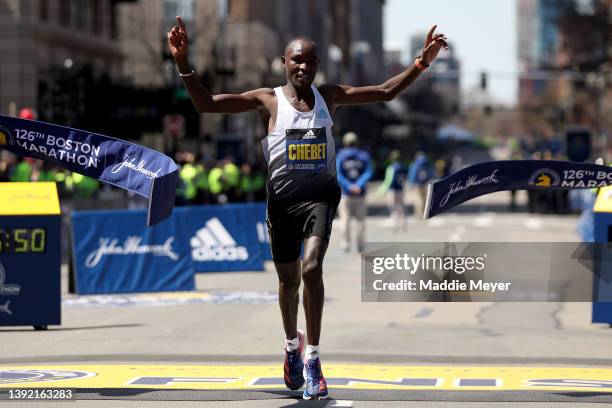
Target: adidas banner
[(138, 169), (489, 177), (226, 237), (114, 253)]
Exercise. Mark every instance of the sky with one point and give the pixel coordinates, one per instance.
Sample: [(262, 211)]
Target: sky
[(482, 32)]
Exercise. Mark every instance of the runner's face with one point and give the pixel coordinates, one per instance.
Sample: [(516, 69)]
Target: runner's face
[(301, 63)]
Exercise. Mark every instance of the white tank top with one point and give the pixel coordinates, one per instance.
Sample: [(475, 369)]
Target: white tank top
[(300, 150)]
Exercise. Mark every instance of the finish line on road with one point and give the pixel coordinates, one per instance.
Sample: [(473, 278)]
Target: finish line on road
[(339, 376)]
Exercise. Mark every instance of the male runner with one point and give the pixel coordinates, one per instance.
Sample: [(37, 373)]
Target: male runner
[(302, 189)]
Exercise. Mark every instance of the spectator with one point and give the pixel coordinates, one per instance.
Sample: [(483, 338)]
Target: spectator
[(354, 170), (421, 172)]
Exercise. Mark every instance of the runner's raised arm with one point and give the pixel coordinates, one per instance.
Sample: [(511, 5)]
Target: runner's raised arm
[(351, 95), (202, 99)]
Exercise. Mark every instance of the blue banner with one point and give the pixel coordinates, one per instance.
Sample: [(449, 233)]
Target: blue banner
[(138, 169), (489, 177), (114, 253), (225, 237)]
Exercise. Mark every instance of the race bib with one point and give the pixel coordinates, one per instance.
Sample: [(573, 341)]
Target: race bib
[(306, 150)]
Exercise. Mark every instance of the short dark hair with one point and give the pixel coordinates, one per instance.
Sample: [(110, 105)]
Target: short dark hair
[(301, 38)]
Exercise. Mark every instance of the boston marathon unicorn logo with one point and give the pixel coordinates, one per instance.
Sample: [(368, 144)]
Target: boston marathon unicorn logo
[(544, 178), (5, 136), (16, 376)]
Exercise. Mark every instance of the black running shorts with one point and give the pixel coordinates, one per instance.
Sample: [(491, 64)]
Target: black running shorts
[(288, 229)]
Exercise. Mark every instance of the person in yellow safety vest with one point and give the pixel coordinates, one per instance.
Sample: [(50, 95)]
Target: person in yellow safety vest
[(60, 179), (215, 182), (187, 174), (202, 185), (246, 186), (231, 179), (22, 172), (85, 187)]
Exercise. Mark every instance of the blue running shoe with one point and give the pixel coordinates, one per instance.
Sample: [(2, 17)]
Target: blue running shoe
[(316, 386), (294, 365)]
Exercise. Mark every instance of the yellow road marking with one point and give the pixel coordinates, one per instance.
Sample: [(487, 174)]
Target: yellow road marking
[(253, 376)]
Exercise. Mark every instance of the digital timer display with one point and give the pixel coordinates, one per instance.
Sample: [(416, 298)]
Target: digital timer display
[(23, 240)]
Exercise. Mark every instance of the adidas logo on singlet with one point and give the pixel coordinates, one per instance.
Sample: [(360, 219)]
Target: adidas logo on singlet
[(214, 243), (309, 135), (322, 114)]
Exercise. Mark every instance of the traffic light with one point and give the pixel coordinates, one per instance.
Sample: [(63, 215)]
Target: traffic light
[(483, 81)]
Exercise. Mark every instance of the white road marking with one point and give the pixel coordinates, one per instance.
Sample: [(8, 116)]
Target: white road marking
[(343, 403), (533, 223), (483, 221), (436, 222)]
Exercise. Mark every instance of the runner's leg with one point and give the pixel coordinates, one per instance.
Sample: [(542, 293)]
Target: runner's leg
[(289, 295), (314, 291)]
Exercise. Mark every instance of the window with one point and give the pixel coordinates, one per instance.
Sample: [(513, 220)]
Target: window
[(65, 12), (96, 16), (80, 14), (43, 11)]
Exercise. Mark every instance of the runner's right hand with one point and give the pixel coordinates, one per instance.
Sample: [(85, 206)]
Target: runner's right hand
[(177, 40)]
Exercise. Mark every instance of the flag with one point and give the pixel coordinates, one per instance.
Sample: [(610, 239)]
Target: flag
[(489, 177), (126, 165)]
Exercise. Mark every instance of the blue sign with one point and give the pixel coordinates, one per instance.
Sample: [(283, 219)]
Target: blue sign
[(225, 237), (489, 177), (30, 270), (114, 253), (138, 169)]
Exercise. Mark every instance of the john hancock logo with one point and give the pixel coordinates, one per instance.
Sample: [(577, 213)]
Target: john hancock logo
[(544, 178)]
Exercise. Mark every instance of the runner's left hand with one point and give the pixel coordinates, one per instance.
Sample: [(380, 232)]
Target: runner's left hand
[(433, 44)]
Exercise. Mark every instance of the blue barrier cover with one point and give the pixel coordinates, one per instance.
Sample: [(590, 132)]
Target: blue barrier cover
[(489, 177), (225, 237), (114, 253), (135, 168)]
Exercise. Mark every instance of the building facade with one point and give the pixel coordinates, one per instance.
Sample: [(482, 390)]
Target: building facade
[(538, 44), (43, 40)]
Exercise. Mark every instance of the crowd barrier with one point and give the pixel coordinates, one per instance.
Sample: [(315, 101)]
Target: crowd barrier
[(114, 253)]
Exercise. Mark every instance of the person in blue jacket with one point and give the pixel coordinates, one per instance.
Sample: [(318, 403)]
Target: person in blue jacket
[(354, 170), (420, 173)]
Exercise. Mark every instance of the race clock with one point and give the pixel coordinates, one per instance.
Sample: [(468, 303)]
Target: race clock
[(30, 258)]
